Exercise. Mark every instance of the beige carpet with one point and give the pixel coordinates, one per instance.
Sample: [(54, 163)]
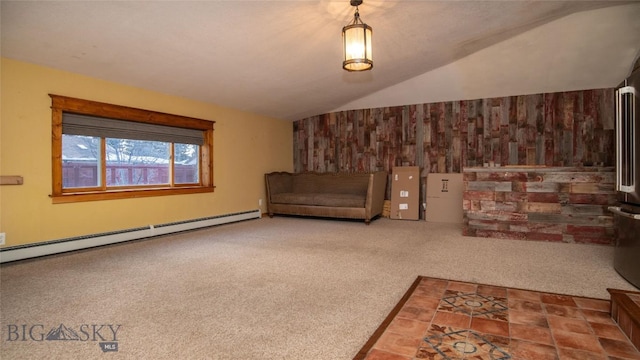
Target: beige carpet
[(281, 288)]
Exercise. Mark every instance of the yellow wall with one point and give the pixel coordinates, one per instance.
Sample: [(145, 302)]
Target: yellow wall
[(246, 146)]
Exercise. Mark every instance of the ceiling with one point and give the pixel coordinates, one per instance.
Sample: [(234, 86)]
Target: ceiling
[(282, 59)]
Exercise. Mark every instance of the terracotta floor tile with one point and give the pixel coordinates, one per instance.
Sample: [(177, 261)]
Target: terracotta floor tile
[(437, 351), (597, 316), (476, 305), (463, 287), (460, 321), (436, 329), (619, 348), (488, 326), (525, 350), (565, 311), (431, 287), (558, 300), (525, 305), (573, 354), (426, 351), (431, 282), (449, 293), (523, 295), (407, 327), (428, 291), (531, 333), (528, 318), (426, 302), (465, 344), (416, 313), (501, 316), (608, 331), (376, 354), (569, 324), (494, 291), (593, 304), (398, 344), (468, 321), (577, 341), (501, 341)]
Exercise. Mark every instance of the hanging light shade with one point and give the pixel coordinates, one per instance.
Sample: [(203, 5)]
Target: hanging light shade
[(356, 42)]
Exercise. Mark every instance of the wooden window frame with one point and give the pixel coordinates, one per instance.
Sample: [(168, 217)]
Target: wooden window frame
[(61, 104)]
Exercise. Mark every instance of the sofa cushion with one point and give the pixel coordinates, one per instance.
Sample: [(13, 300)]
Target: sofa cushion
[(293, 198), (318, 199), (355, 184), (340, 200)]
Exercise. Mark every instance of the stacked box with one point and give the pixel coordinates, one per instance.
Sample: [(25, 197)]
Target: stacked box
[(444, 198), (405, 193)]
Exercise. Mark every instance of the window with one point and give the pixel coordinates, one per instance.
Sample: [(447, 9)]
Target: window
[(102, 151)]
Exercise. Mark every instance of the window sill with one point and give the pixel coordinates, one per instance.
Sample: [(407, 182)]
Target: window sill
[(126, 194)]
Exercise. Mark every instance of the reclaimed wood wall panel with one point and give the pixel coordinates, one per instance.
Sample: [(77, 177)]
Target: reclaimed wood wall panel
[(544, 204), (554, 129)]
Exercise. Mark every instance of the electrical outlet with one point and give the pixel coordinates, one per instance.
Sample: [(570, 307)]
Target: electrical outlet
[(2, 238), (259, 202)]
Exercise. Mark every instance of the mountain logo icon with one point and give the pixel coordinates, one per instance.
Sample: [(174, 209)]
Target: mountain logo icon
[(62, 333)]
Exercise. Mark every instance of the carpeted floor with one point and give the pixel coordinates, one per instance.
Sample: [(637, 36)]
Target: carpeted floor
[(281, 288), (450, 320)]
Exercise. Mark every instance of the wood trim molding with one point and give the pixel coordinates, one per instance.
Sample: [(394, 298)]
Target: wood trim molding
[(60, 104), (11, 180), (90, 107)]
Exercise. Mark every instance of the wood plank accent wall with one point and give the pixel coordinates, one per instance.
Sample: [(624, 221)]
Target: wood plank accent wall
[(554, 129), (547, 204)]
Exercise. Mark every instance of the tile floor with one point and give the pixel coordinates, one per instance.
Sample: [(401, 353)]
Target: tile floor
[(445, 319)]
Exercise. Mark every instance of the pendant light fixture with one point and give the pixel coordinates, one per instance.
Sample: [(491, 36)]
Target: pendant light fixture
[(356, 42)]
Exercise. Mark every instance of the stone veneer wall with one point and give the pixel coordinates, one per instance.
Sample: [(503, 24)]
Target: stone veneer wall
[(554, 129), (549, 204)]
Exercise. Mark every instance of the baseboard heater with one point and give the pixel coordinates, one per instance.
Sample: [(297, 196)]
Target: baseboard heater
[(20, 252)]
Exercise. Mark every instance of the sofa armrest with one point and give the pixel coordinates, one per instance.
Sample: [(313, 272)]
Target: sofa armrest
[(376, 193), (278, 183)]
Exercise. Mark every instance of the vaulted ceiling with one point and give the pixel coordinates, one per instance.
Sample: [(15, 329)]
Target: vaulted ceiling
[(282, 59)]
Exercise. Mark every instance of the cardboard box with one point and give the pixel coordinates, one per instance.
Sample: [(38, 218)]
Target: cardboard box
[(444, 198), (405, 193)]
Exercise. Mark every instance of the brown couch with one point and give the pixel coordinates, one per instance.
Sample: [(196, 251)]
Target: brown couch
[(336, 195)]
